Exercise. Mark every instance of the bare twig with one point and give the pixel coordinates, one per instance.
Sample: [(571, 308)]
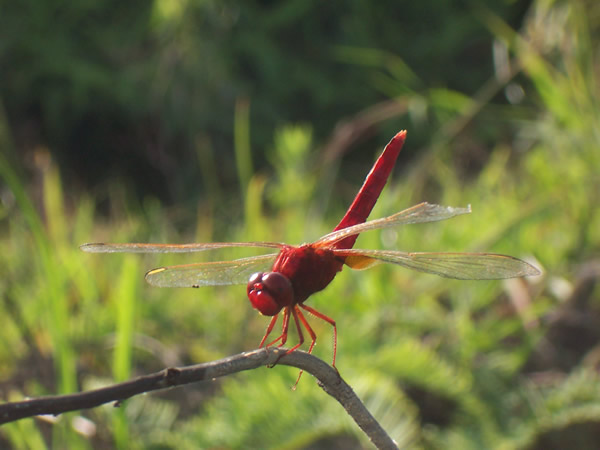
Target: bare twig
[(328, 378), (349, 131)]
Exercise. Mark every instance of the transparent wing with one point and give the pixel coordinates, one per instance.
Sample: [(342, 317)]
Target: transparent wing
[(219, 273), (461, 266), (423, 212), (170, 248)]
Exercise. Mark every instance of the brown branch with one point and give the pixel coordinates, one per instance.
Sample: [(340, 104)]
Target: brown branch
[(349, 131), (328, 378)]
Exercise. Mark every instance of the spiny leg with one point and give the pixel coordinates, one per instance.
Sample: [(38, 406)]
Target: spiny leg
[(330, 321), (284, 328), (295, 312), (300, 335), (313, 336), (284, 333), (269, 329)]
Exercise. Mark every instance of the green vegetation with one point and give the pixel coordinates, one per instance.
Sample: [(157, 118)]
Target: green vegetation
[(440, 363)]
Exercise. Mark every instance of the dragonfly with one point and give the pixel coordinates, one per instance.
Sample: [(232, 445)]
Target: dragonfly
[(285, 279)]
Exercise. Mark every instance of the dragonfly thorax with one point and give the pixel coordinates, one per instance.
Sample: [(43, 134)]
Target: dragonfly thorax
[(270, 292)]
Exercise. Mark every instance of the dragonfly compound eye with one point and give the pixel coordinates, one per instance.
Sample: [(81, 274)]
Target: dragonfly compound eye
[(269, 292)]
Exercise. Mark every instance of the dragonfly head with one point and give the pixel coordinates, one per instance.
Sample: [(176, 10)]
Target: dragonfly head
[(270, 292)]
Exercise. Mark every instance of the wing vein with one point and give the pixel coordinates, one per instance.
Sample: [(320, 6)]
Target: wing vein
[(220, 273), (421, 213), (462, 266)]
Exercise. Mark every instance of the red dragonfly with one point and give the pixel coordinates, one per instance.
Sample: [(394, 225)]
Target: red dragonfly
[(284, 280)]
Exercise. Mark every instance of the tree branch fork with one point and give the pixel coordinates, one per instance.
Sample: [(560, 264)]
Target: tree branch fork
[(328, 378)]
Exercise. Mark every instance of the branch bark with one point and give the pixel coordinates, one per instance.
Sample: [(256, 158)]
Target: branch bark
[(328, 378)]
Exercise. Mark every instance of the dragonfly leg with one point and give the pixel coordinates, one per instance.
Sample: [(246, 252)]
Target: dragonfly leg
[(269, 329), (284, 332), (313, 337), (327, 319), (282, 337), (295, 312), (284, 329)]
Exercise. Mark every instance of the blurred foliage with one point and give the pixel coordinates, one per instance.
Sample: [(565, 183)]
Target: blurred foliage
[(132, 89), (441, 363)]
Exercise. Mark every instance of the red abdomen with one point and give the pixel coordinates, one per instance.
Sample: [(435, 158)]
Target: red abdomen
[(308, 269)]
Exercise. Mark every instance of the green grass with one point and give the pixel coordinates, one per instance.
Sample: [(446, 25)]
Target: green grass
[(74, 321)]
